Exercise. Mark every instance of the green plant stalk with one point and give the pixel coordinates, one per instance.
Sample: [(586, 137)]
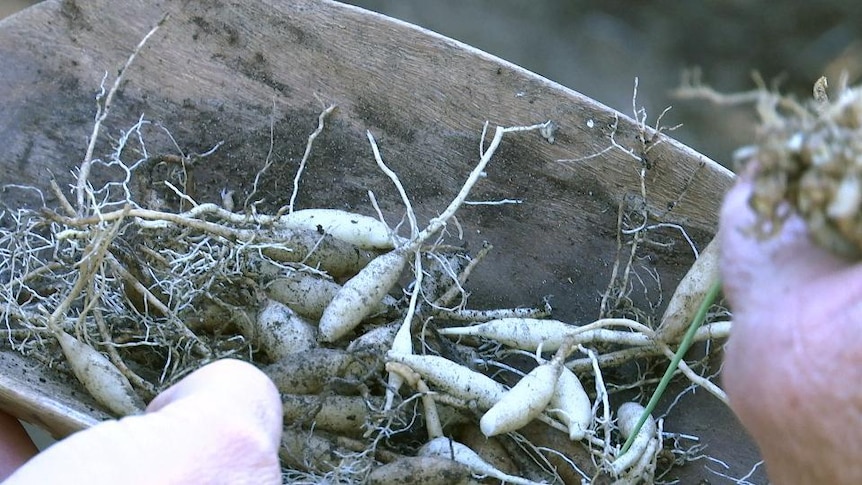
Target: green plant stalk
[(684, 345)]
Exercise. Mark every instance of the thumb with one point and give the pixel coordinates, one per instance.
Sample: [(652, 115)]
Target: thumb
[(757, 270), (220, 424)]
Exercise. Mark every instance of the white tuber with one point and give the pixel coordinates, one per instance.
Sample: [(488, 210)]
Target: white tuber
[(523, 333), (454, 379), (279, 331), (572, 405), (361, 295), (308, 294), (531, 333), (359, 230), (689, 294), (447, 448), (522, 403), (378, 339), (402, 344), (99, 376), (340, 414), (627, 417)]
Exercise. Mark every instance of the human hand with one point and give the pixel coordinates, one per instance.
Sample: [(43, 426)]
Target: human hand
[(15, 445), (793, 363), (220, 424)]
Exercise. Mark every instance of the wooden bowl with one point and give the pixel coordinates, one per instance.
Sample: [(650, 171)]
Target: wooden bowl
[(227, 70)]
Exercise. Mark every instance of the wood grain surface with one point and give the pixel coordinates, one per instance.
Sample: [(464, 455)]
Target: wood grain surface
[(225, 70)]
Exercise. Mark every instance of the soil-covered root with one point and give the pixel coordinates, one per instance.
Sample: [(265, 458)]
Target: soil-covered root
[(311, 371), (809, 161), (278, 331), (446, 448), (421, 470), (308, 294), (345, 415), (334, 256), (313, 451), (100, 377)]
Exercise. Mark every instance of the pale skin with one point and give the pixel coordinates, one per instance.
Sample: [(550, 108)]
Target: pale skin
[(221, 424), (793, 364)]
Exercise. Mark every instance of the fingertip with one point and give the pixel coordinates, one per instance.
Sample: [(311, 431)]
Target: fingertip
[(755, 267), (228, 387), (220, 424), (219, 377)]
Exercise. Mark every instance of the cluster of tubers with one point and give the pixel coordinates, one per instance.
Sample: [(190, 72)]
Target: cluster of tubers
[(807, 162), (378, 384), (308, 295)]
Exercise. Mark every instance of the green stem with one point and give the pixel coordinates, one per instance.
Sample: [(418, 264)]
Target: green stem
[(684, 345)]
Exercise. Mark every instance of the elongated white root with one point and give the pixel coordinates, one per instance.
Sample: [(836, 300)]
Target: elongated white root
[(99, 376), (522, 403), (425, 470), (432, 418), (339, 414), (402, 344), (308, 294), (310, 371), (361, 295), (523, 333), (689, 294), (643, 471), (305, 293), (447, 448), (531, 333), (362, 231), (454, 379), (628, 415), (338, 258), (571, 404), (378, 340)]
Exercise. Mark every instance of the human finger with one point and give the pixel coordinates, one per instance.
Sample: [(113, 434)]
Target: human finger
[(221, 424), (16, 447), (755, 269)]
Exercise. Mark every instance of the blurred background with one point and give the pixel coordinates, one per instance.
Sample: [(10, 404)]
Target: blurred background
[(8, 7), (598, 48)]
